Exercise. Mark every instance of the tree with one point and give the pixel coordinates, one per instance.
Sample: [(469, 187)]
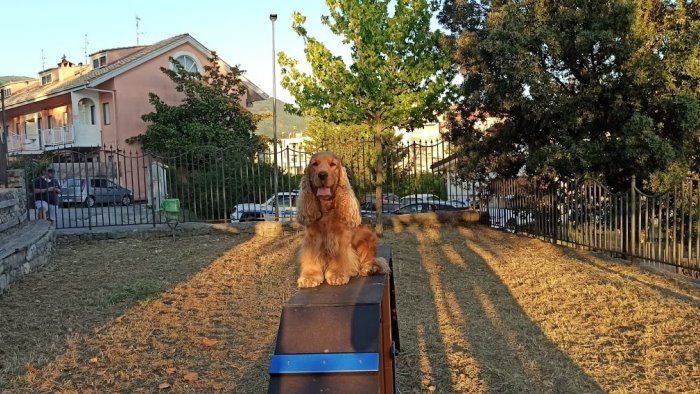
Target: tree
[(210, 113), (354, 145), (601, 88), (399, 75)]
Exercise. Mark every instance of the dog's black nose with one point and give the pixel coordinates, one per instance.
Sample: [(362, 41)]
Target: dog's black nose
[(323, 175)]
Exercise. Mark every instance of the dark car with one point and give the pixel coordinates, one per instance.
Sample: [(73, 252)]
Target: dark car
[(388, 198), (369, 208), (424, 207)]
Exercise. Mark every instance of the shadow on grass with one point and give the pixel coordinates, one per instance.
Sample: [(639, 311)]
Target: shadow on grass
[(584, 258), (462, 329), (62, 320)]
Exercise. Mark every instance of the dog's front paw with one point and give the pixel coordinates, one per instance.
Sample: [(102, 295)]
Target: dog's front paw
[(335, 279), (367, 269), (308, 281)]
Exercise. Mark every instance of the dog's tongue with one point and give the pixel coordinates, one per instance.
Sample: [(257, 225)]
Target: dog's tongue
[(323, 191)]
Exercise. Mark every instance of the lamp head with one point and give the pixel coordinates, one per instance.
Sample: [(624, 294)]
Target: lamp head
[(273, 17)]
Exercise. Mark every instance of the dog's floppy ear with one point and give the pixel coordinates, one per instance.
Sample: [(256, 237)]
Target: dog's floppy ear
[(346, 203), (308, 207)]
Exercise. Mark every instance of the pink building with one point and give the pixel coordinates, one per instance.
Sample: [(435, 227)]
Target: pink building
[(86, 106)]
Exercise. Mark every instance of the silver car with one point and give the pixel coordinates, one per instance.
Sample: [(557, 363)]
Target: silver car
[(94, 191)]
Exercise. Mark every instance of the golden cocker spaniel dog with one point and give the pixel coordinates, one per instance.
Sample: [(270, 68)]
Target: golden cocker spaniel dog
[(336, 247)]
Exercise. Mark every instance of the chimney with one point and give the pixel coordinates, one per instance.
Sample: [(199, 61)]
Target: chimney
[(66, 69)]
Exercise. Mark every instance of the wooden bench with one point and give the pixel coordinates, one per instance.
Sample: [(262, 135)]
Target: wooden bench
[(339, 339)]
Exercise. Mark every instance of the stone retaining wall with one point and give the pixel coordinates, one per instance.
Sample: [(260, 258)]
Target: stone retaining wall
[(15, 179), (13, 208), (24, 246), (25, 251)]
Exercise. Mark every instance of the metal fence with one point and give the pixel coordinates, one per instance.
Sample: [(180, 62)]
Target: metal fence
[(662, 229), (113, 187)]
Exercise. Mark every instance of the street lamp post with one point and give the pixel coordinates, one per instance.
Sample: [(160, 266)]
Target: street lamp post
[(273, 18)]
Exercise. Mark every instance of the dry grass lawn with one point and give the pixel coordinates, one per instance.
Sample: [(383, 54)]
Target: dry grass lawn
[(479, 311)]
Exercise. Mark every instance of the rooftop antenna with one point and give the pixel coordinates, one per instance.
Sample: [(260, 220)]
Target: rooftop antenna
[(85, 48), (43, 61), (138, 32)]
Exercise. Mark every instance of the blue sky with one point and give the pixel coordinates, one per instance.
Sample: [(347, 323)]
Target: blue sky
[(239, 30)]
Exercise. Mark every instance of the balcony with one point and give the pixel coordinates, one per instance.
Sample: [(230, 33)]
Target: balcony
[(14, 143), (57, 136), (54, 138)]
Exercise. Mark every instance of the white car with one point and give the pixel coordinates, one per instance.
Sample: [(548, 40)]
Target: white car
[(251, 212), (504, 214)]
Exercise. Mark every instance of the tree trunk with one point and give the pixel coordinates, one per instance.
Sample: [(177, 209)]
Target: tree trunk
[(379, 181)]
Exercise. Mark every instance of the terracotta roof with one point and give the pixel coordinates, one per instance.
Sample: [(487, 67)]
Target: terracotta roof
[(55, 88)]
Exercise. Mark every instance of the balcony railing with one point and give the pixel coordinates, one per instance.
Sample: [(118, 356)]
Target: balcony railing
[(53, 137), (57, 136), (14, 143)]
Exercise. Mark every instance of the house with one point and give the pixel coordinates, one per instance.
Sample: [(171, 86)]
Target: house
[(291, 155), (457, 189), (87, 106)]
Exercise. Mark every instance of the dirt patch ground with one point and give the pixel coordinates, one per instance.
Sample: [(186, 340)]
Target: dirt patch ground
[(479, 311)]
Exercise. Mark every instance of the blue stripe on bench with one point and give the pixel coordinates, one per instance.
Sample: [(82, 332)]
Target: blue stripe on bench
[(324, 363)]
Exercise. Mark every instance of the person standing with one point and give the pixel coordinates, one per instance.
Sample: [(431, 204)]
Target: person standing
[(46, 191)]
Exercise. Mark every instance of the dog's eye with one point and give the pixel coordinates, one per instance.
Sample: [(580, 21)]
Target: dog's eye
[(315, 164), (332, 164)]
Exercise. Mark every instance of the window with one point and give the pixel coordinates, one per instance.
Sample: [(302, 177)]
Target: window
[(46, 79), (99, 61), (17, 127), (73, 182), (50, 124), (105, 114), (7, 92), (86, 111), (286, 201), (38, 123), (188, 63), (99, 183)]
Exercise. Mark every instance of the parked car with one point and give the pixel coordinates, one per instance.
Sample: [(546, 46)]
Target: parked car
[(93, 191), (505, 212), (472, 203), (368, 209), (387, 198), (420, 197), (424, 207), (248, 212)]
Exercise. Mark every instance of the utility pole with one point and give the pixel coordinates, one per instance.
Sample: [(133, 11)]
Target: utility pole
[(3, 141)]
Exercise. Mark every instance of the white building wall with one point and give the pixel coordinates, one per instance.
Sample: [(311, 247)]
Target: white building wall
[(85, 133)]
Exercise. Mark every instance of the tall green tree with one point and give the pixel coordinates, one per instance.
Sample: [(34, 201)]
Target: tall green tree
[(210, 113), (355, 145), (605, 88), (398, 76)]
